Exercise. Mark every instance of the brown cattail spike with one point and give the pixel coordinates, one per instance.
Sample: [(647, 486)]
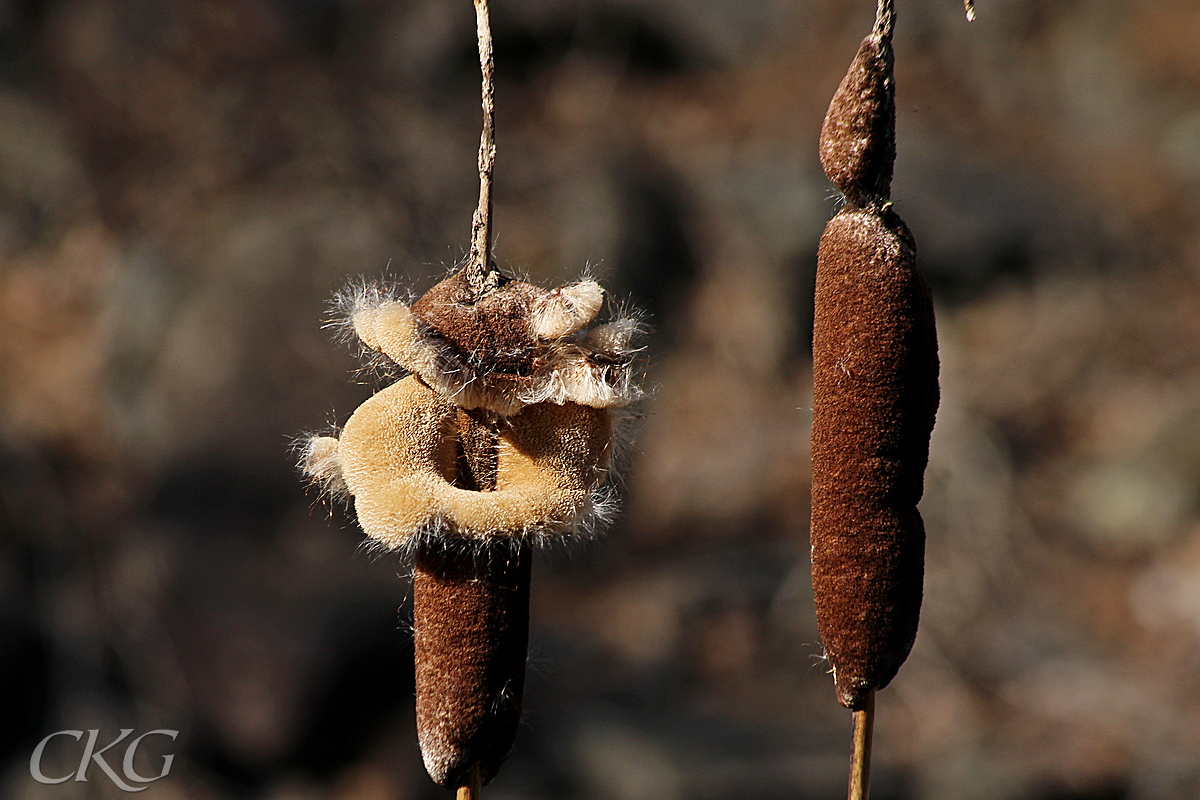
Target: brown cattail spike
[(875, 395), (470, 635), (500, 438), (858, 137)]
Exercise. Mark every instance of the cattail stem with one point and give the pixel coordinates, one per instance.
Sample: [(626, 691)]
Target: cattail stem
[(472, 788), (860, 761), (481, 273), (885, 19)]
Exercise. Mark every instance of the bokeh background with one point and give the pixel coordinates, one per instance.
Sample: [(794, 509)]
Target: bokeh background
[(184, 185)]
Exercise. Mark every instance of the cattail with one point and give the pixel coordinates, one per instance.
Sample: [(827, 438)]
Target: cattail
[(875, 395), (471, 632), (469, 491), (500, 439), (858, 137)]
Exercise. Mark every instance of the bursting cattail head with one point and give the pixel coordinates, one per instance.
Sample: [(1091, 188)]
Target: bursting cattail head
[(499, 440), (521, 354), (513, 346)]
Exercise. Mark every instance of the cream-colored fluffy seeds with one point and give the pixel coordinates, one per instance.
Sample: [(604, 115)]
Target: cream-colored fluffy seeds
[(613, 338), (397, 457), (390, 328), (322, 463), (565, 310), (572, 365)]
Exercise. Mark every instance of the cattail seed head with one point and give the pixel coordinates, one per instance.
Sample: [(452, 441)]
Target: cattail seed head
[(501, 438), (875, 390), (875, 394), (471, 633), (502, 433), (858, 137)]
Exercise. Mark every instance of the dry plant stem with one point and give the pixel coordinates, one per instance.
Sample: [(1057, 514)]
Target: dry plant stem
[(471, 789), (481, 273), (885, 19), (860, 762)]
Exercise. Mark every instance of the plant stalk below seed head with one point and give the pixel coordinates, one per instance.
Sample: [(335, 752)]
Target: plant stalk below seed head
[(860, 761), (471, 790)]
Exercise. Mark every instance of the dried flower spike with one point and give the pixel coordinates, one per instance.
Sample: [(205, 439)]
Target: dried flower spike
[(858, 137), (467, 473), (874, 399), (875, 396), (500, 439)]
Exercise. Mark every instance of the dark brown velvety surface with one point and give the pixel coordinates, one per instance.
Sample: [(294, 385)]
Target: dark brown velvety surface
[(491, 332), (858, 137), (470, 634), (875, 394)]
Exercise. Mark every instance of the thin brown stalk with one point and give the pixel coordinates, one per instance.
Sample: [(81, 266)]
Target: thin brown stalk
[(860, 762), (480, 271), (885, 19), (472, 789)]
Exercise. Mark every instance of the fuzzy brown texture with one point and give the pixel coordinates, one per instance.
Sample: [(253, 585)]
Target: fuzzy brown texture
[(470, 636), (505, 347), (478, 457), (470, 633), (858, 137), (489, 331), (875, 395)]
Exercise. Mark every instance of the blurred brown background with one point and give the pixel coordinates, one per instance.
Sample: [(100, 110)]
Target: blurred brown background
[(183, 186)]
